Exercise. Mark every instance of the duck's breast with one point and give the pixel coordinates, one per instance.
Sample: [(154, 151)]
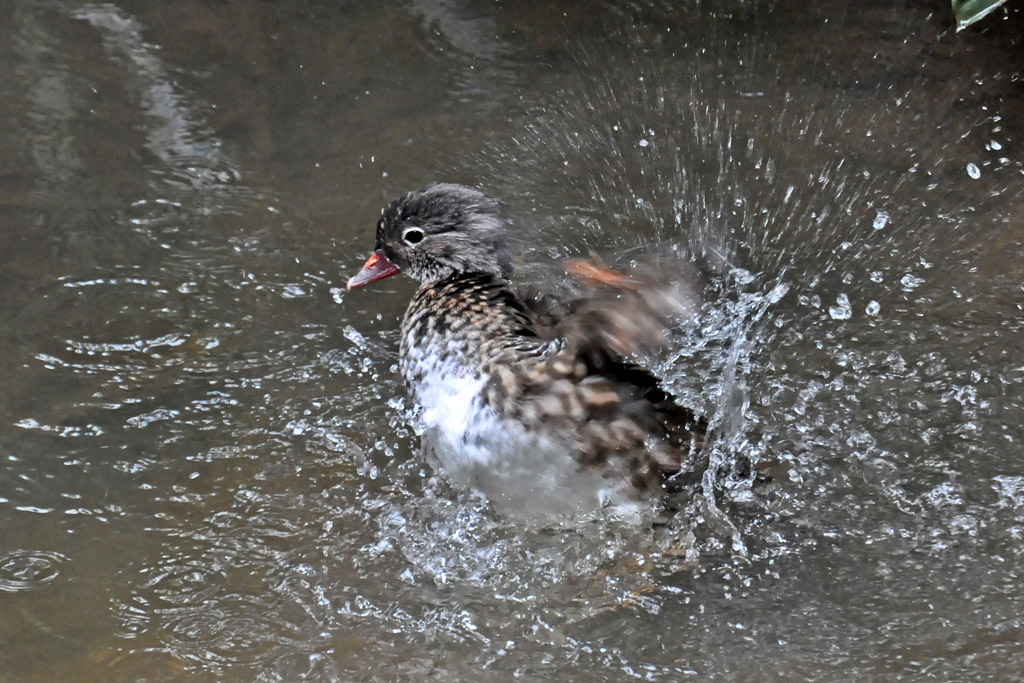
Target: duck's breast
[(450, 397)]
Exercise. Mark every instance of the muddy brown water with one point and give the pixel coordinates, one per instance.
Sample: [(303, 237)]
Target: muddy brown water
[(210, 470)]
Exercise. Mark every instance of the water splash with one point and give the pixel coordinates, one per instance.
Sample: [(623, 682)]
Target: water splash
[(632, 154)]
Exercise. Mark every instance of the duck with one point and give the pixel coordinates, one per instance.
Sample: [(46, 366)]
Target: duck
[(542, 406)]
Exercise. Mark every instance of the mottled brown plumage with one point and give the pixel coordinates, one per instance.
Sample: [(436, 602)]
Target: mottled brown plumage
[(468, 339)]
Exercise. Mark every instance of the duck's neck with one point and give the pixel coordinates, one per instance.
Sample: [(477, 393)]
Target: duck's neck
[(467, 304)]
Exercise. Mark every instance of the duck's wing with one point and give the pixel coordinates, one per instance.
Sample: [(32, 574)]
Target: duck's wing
[(616, 407), (609, 315)]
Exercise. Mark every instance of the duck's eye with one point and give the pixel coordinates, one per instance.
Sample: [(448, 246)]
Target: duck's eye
[(412, 235)]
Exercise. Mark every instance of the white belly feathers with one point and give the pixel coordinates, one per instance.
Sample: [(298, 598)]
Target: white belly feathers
[(524, 474)]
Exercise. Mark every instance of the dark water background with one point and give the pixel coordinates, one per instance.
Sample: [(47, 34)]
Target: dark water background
[(208, 469)]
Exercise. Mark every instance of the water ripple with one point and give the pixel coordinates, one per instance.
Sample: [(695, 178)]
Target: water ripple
[(232, 629), (22, 570)]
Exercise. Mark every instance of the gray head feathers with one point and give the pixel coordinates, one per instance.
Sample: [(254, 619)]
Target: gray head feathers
[(444, 230)]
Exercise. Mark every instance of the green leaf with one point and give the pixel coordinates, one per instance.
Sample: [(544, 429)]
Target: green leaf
[(969, 11)]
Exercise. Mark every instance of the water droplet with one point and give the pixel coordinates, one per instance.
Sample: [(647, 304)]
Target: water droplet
[(973, 171), (813, 301), (872, 308), (842, 310), (910, 282), (995, 145), (353, 336), (643, 142), (778, 291), (881, 219), (742, 276), (293, 291)]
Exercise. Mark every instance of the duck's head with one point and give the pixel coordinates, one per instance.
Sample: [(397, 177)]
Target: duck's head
[(434, 233)]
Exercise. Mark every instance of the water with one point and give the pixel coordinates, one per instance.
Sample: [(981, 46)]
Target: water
[(210, 470)]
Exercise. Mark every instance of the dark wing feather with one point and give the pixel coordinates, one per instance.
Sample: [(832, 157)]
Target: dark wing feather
[(619, 407)]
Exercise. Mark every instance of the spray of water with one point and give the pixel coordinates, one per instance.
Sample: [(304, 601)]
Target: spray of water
[(802, 221)]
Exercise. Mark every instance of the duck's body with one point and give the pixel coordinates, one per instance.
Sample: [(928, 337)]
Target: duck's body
[(455, 335), (551, 418)]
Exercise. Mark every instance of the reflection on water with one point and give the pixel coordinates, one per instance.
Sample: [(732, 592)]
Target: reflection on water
[(173, 133), (210, 468)]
